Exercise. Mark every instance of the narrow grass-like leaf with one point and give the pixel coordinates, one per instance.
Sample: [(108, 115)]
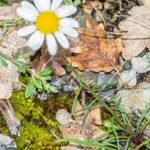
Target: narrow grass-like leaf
[(29, 90)]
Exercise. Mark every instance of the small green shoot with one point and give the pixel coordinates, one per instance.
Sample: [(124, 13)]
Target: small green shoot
[(37, 80)]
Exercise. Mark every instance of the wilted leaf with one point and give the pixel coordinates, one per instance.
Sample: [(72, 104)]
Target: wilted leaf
[(137, 37), (43, 60), (97, 52), (134, 99)]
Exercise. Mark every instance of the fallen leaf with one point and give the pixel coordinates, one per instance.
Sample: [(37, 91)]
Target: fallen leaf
[(43, 60), (96, 52), (134, 99), (137, 37), (90, 5), (144, 2), (95, 116)]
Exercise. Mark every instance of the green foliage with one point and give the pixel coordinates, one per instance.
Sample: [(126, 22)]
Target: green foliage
[(38, 129), (5, 2), (25, 108), (37, 80), (33, 137), (5, 24), (3, 62)]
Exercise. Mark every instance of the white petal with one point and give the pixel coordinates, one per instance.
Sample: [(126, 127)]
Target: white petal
[(27, 14), (36, 40), (66, 10), (42, 4), (51, 43), (69, 31), (28, 5), (26, 30), (56, 4), (69, 22), (61, 38)]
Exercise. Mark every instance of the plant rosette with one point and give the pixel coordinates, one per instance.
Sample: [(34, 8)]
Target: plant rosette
[(51, 23)]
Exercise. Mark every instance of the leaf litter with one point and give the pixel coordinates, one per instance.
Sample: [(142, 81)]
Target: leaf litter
[(93, 51)]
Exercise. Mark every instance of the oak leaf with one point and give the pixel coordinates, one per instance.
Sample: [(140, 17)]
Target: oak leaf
[(96, 52), (137, 27)]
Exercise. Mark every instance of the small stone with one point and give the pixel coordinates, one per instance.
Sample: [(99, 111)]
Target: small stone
[(43, 96), (70, 87), (63, 117), (104, 79), (57, 82), (140, 64), (107, 5), (7, 143), (128, 77), (89, 77)]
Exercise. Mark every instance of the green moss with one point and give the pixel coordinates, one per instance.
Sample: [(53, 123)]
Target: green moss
[(25, 108), (38, 120), (36, 127), (4, 2), (33, 137)]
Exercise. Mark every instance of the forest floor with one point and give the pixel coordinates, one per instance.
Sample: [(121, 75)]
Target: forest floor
[(93, 96)]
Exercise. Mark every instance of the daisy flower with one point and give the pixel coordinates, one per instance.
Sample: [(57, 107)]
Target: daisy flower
[(50, 23)]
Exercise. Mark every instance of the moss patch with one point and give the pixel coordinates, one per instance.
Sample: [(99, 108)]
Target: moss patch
[(38, 120)]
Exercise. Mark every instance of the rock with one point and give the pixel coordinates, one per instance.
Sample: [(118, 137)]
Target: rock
[(70, 87), (128, 77), (106, 79), (8, 12), (7, 143), (73, 129), (140, 64), (63, 117), (57, 82), (43, 96), (12, 122), (89, 77)]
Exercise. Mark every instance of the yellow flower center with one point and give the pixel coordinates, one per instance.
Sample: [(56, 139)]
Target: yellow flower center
[(47, 22)]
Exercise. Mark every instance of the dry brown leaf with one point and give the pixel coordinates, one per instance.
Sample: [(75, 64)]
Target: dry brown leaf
[(97, 52), (89, 6), (43, 60), (135, 99), (137, 26)]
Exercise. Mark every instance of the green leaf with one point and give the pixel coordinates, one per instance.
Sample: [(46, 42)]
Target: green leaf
[(46, 72), (29, 90), (3, 62), (38, 84)]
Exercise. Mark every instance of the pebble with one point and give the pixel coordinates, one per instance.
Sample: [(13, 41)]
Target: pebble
[(63, 117), (7, 143), (70, 87), (43, 96), (57, 82), (104, 79)]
